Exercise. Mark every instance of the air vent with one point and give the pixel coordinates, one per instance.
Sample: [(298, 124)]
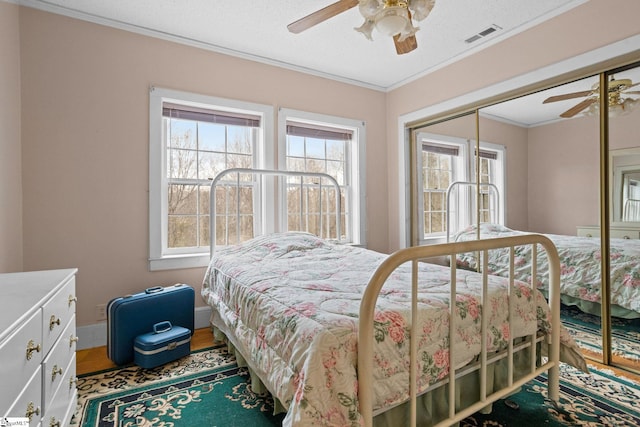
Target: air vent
[(484, 33)]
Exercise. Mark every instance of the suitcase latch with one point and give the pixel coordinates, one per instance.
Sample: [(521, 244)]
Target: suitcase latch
[(172, 345)]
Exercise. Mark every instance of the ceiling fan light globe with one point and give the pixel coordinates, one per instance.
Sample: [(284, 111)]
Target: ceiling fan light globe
[(421, 8), (392, 20), (366, 28), (369, 8)]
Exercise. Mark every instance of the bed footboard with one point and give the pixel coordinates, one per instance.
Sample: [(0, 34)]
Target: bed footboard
[(414, 256)]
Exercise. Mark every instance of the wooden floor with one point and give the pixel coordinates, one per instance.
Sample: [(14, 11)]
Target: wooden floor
[(95, 359)]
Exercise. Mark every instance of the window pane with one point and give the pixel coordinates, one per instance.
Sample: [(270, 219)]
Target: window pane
[(210, 164), (183, 133), (437, 222), (204, 230), (315, 148), (239, 139), (205, 191), (336, 170), (295, 146), (239, 161), (182, 231), (211, 137), (246, 201), (183, 199), (182, 164), (294, 164), (293, 199), (315, 165), (335, 150)]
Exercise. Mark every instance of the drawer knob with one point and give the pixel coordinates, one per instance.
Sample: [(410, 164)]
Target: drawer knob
[(72, 299), (53, 422), (72, 381), (31, 347), (626, 237), (72, 339), (589, 235), (53, 322), (31, 410), (55, 371)]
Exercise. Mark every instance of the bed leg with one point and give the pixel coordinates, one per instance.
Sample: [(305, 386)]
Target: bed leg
[(554, 385)]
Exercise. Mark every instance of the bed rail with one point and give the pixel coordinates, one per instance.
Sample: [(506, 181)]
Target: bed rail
[(414, 255), (454, 186), (259, 176)]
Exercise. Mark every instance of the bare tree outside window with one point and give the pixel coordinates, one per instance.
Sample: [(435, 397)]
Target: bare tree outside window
[(197, 150), (311, 204)]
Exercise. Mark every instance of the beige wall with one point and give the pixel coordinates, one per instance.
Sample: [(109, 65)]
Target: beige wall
[(10, 155), (553, 41), (564, 176), (85, 143)]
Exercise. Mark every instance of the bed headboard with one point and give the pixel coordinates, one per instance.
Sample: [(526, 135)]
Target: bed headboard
[(274, 186), (631, 211), (459, 184)]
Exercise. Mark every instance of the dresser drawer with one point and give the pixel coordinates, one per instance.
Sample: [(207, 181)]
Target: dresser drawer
[(56, 363), (18, 364), (621, 233), (29, 402), (63, 403), (57, 312)]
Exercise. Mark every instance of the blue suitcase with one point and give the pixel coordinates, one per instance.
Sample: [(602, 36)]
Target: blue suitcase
[(133, 315), (165, 344)]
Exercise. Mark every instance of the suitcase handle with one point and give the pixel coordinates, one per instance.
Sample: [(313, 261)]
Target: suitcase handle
[(153, 290), (166, 326)]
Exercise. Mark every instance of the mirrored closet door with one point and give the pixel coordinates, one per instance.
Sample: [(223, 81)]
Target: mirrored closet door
[(624, 214), (548, 162)]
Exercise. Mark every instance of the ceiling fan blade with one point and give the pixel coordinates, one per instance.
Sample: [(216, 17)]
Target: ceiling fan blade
[(405, 46), (567, 96), (321, 15), (578, 107)]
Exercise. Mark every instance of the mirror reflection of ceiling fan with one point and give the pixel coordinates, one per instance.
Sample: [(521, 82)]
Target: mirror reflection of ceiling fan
[(390, 17), (618, 102)]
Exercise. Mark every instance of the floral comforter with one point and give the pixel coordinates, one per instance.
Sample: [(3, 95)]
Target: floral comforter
[(292, 300), (580, 267)]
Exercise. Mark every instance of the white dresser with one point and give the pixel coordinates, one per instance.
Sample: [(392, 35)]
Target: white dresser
[(615, 232), (38, 346)]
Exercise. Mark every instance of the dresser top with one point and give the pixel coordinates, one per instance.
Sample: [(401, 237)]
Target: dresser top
[(22, 293)]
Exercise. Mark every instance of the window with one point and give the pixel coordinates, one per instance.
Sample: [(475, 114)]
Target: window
[(491, 168), (444, 160), (192, 139), (335, 146)]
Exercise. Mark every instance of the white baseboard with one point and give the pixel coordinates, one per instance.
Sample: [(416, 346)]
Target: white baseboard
[(96, 335)]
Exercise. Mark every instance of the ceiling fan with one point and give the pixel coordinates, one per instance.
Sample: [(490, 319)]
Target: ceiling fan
[(617, 102), (390, 17)]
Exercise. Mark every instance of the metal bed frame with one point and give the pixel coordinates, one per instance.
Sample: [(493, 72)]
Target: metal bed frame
[(414, 256), (454, 186), (261, 174)]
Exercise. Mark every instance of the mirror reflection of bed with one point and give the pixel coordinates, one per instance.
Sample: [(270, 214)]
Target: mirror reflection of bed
[(553, 186)]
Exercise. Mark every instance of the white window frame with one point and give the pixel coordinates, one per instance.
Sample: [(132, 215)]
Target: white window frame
[(464, 172), (499, 177), (356, 173), (160, 258)]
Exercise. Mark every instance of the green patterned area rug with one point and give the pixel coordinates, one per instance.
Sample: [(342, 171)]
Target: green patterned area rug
[(204, 389), (208, 389), (586, 330)]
